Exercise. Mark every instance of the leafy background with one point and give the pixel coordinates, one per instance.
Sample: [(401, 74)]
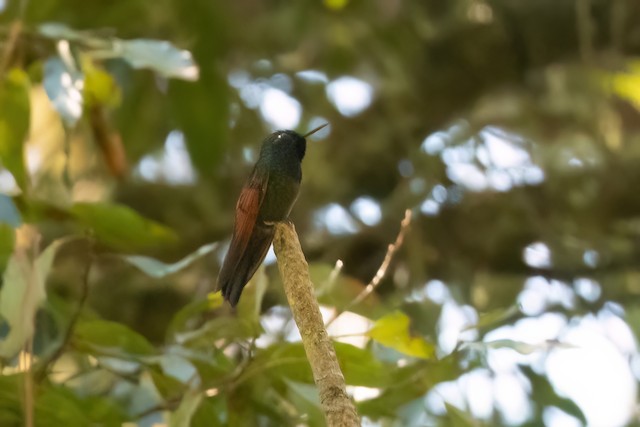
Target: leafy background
[(508, 130)]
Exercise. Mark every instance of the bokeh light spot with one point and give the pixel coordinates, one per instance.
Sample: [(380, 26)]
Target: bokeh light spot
[(350, 95)]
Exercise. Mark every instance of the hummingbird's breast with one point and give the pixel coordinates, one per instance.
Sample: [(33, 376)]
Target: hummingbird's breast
[(282, 192)]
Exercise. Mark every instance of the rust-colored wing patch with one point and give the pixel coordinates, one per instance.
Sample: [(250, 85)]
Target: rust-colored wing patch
[(247, 210)]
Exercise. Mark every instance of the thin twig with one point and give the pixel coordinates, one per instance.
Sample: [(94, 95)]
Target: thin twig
[(84, 294), (12, 41), (26, 362), (27, 248), (10, 46), (382, 270), (585, 30), (333, 276)]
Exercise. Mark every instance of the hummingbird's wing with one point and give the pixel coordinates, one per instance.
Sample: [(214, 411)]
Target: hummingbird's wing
[(250, 241)]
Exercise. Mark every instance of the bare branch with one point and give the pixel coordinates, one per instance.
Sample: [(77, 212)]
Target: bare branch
[(382, 270), (336, 404)]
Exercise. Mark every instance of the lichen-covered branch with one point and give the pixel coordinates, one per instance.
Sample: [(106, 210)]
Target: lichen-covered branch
[(336, 404)]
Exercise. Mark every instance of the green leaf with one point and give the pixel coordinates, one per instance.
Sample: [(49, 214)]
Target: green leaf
[(408, 383), (392, 331), (7, 241), (201, 112), (519, 346), (495, 317), (181, 417), (289, 361), (54, 30), (22, 294), (60, 406), (159, 56), (10, 403), (625, 85), (8, 212), (100, 87), (159, 269), (209, 413), (111, 339), (360, 367), (211, 363), (305, 397), (459, 418), (181, 318), (14, 124), (64, 84), (250, 305), (544, 395), (121, 227), (55, 406), (168, 387), (231, 328)]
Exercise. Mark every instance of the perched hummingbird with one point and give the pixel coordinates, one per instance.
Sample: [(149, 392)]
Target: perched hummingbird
[(267, 197)]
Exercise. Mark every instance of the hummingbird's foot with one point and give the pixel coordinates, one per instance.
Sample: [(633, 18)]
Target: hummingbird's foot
[(272, 223)]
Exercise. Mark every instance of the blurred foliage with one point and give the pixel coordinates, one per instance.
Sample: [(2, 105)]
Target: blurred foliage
[(509, 129)]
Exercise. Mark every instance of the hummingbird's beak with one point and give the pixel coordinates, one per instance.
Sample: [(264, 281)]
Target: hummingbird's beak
[(315, 130)]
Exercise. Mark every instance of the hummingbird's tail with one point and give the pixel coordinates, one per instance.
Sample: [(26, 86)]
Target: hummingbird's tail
[(241, 264)]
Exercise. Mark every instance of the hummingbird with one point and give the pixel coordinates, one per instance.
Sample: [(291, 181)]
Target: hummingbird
[(267, 197)]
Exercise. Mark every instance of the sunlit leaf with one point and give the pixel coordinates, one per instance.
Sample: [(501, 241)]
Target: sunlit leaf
[(336, 4), (100, 88), (154, 268), (121, 227), (23, 292), (111, 339), (392, 331), (519, 346), (495, 317), (460, 418), (160, 56), (56, 30), (181, 417), (64, 86), (157, 55), (14, 124), (626, 84)]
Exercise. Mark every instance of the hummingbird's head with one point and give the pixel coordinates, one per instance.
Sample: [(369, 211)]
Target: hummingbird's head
[(286, 144)]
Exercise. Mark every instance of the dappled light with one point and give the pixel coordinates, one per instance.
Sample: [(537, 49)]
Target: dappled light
[(349, 95)]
